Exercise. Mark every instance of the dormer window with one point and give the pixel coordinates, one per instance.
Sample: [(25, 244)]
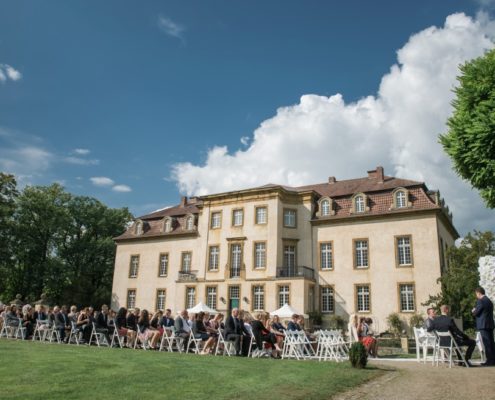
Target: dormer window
[(400, 198), (139, 227), (167, 225), (325, 207), (189, 223), (359, 204)]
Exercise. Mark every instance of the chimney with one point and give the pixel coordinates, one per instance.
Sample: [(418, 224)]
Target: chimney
[(183, 201), (331, 179), (377, 174)]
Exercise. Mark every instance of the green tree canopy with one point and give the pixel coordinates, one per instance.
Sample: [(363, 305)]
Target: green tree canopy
[(470, 141)]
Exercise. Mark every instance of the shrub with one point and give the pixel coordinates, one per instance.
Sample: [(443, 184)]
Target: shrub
[(315, 317), (358, 356), (395, 324), (416, 321)]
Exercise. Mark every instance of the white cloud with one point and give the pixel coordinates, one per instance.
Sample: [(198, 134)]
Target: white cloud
[(245, 140), (121, 188), (82, 152), (9, 72), (170, 27), (398, 128), (101, 181), (80, 161)]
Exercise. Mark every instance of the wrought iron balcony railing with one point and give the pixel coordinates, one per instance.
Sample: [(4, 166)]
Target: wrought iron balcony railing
[(296, 272)]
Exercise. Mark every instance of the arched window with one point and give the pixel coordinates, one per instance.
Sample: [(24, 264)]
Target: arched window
[(359, 206), (189, 223), (400, 199), (167, 225), (325, 207), (139, 227)]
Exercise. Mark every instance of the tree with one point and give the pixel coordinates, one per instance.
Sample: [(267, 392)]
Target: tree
[(470, 141), (462, 277), (8, 195)]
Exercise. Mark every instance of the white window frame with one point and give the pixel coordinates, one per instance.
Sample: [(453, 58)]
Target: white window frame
[(363, 298), (216, 219), (161, 298), (261, 215), (407, 301), (404, 251), (327, 299), (186, 261), (163, 265), (131, 299), (214, 258), (259, 255), (283, 295), (326, 256), (290, 218), (258, 298), (237, 217)]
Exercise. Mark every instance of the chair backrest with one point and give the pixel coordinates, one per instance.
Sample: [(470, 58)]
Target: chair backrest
[(445, 339)]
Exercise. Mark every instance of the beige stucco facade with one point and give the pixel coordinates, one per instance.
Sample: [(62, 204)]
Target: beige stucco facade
[(428, 231)]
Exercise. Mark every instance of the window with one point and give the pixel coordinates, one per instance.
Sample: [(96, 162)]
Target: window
[(363, 298), (131, 299), (404, 253), (326, 256), (163, 265), (211, 297), (361, 253), (189, 223), (160, 299), (216, 220), (325, 208), (400, 199), (258, 298), (327, 299), (190, 297), (235, 260), (237, 217), (261, 216), (359, 204), (134, 267), (214, 258), (139, 227), (290, 217), (290, 257), (283, 295), (259, 255), (167, 225), (186, 261), (406, 297), (234, 292)]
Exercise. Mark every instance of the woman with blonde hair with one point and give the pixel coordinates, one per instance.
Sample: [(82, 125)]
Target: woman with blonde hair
[(262, 334), (353, 328)]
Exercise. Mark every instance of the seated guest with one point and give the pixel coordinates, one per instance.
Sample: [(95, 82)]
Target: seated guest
[(366, 336), (235, 331), (132, 319), (59, 322), (262, 334), (353, 328), (167, 321), (41, 314), (102, 322), (145, 331), (277, 329), (200, 332), (431, 314), (293, 324), (84, 324), (445, 323), (181, 324), (121, 326), (155, 321), (73, 314), (247, 324)]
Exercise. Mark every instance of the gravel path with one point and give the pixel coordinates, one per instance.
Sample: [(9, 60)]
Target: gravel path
[(412, 381)]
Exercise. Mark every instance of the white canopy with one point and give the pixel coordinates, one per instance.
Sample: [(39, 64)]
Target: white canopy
[(286, 311), (201, 307)]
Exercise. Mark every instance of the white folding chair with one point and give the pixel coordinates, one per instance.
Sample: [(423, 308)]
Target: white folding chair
[(481, 347), (141, 338), (10, 328), (75, 332), (168, 339), (228, 346), (53, 333), (198, 344), (117, 338), (447, 349), (41, 330), (97, 337)]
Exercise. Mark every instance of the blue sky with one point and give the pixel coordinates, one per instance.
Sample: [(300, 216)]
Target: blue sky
[(133, 91)]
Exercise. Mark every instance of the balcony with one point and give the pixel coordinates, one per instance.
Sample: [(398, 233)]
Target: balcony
[(234, 272), (296, 272), (188, 276)]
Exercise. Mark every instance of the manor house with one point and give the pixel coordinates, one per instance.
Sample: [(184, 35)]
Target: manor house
[(372, 246)]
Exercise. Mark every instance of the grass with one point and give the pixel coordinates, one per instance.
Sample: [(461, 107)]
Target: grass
[(33, 370)]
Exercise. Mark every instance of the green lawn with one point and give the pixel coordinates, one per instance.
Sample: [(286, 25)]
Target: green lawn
[(50, 371)]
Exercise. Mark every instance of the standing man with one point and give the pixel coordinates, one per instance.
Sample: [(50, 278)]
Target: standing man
[(485, 324)]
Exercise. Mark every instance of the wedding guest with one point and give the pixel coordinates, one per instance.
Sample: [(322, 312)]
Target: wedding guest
[(483, 312)]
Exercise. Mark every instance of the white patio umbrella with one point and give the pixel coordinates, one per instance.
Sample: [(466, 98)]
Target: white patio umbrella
[(286, 311), (201, 307)]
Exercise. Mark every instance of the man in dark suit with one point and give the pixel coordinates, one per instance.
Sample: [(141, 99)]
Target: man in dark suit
[(40, 314), (181, 324), (235, 330), (102, 325), (485, 324), (445, 323), (167, 321)]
